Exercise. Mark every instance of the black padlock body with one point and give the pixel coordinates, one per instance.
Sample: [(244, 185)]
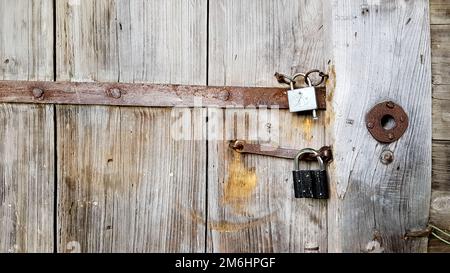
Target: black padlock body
[(310, 184)]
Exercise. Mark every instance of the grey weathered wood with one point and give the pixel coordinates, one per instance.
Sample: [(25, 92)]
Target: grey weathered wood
[(440, 12), (440, 48), (440, 37), (441, 165), (441, 112), (440, 217), (251, 204), (26, 131), (440, 41), (440, 198), (126, 183), (379, 50)]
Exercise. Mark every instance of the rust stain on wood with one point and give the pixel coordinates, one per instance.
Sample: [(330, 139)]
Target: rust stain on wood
[(224, 225), (307, 129), (227, 226), (240, 184), (330, 87), (331, 83)]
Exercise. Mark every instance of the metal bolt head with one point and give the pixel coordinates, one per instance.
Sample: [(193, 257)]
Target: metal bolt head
[(115, 93), (38, 93), (387, 157), (237, 145), (370, 125), (391, 136), (224, 95), (390, 104)]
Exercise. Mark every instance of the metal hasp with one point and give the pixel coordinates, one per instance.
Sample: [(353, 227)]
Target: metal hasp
[(243, 147), (387, 122), (145, 94)]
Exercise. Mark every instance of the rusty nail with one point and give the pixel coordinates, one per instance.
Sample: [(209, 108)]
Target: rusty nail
[(279, 77), (114, 92), (390, 136), (387, 157), (38, 93), (370, 125), (390, 104)]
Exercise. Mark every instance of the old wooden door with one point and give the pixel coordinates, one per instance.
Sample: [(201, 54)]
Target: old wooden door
[(121, 179)]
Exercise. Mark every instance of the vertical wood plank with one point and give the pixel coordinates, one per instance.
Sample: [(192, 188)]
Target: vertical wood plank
[(439, 12), (440, 195), (251, 204), (380, 50), (26, 131), (127, 182), (440, 46)]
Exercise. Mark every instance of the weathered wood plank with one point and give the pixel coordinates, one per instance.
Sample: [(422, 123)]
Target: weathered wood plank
[(441, 165), (440, 217), (158, 95), (440, 37), (439, 12), (440, 53), (440, 197), (441, 113), (129, 181), (251, 204), (26, 131), (380, 50)]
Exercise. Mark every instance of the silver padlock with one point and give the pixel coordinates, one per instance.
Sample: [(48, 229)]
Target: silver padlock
[(302, 99)]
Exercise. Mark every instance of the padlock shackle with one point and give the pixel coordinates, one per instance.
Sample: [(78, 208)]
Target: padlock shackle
[(302, 152), (307, 79)]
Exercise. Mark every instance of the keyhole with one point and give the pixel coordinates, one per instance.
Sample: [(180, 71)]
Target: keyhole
[(388, 122)]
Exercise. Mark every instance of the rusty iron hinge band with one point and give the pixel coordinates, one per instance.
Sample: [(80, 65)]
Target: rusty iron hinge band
[(243, 147), (140, 94)]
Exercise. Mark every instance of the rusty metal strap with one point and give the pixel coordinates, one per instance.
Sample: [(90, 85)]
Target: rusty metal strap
[(243, 147), (137, 94)]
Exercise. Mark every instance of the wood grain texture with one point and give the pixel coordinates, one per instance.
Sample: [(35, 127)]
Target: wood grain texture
[(251, 204), (380, 50), (441, 165), (26, 131), (440, 48), (441, 112), (440, 197), (439, 12), (125, 185), (440, 217), (126, 182), (440, 40), (440, 53)]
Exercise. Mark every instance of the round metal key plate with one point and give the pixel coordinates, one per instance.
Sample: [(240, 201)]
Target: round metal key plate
[(387, 110)]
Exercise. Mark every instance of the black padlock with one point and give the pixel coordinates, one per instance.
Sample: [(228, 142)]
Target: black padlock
[(310, 183)]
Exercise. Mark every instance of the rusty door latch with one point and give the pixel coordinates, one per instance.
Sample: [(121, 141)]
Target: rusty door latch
[(243, 147)]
